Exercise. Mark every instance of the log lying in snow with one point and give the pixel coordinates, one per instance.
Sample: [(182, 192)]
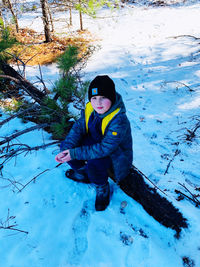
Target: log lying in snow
[(35, 93), (157, 206)]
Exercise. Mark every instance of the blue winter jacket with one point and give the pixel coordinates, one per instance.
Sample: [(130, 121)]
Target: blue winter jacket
[(115, 143)]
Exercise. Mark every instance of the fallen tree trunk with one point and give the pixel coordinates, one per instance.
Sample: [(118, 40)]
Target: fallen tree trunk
[(157, 206), (32, 91)]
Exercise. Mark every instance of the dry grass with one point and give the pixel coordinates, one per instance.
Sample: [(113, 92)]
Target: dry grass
[(32, 49)]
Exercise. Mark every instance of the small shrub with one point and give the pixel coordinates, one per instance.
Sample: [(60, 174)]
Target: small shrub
[(6, 41)]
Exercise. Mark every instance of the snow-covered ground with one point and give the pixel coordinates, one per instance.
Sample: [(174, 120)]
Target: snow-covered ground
[(153, 57)]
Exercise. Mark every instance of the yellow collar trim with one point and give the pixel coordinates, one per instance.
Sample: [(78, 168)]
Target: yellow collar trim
[(88, 111)]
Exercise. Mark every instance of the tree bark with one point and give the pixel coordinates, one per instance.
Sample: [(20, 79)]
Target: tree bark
[(51, 19), (81, 18), (4, 2), (14, 15), (47, 32), (36, 94), (70, 16)]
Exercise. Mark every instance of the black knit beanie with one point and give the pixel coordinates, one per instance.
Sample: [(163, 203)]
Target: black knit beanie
[(104, 86)]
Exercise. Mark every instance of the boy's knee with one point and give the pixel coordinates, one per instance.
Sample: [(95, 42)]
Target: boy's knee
[(94, 164), (99, 164)]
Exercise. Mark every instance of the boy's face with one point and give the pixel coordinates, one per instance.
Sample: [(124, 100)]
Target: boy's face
[(100, 104)]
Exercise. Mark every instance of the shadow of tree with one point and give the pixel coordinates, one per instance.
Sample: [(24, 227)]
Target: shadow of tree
[(176, 60)]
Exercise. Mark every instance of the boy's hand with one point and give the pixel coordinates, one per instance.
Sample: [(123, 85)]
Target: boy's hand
[(63, 156)]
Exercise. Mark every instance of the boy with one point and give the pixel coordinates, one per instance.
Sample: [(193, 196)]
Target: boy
[(100, 141)]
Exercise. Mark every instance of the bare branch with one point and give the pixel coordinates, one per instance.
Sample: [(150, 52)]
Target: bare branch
[(31, 58), (11, 182), (12, 228), (186, 196), (185, 35), (155, 186), (42, 81), (6, 224), (193, 196), (35, 177), (180, 83), (13, 136), (16, 115), (28, 87), (24, 148), (17, 59), (191, 133), (10, 78), (168, 165)]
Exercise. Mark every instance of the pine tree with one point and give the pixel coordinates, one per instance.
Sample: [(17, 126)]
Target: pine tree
[(6, 41), (69, 89), (50, 109)]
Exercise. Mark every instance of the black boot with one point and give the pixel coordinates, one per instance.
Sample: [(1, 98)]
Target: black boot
[(78, 175), (102, 197)]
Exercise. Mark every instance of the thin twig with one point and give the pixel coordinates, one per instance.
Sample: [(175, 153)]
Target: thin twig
[(6, 225), (10, 78), (156, 187), (169, 163), (12, 182), (181, 83), (13, 136), (185, 35), (194, 198), (35, 177), (24, 148), (17, 59), (14, 229), (16, 152), (16, 114), (184, 195), (42, 81)]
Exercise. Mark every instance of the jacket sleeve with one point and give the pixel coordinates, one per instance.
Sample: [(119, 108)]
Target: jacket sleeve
[(115, 132), (75, 134)]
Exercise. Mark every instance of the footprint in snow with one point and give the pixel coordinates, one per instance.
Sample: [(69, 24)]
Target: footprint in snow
[(147, 103), (79, 229), (137, 254)]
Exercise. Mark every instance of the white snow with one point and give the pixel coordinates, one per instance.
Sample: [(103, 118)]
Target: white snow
[(154, 61)]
